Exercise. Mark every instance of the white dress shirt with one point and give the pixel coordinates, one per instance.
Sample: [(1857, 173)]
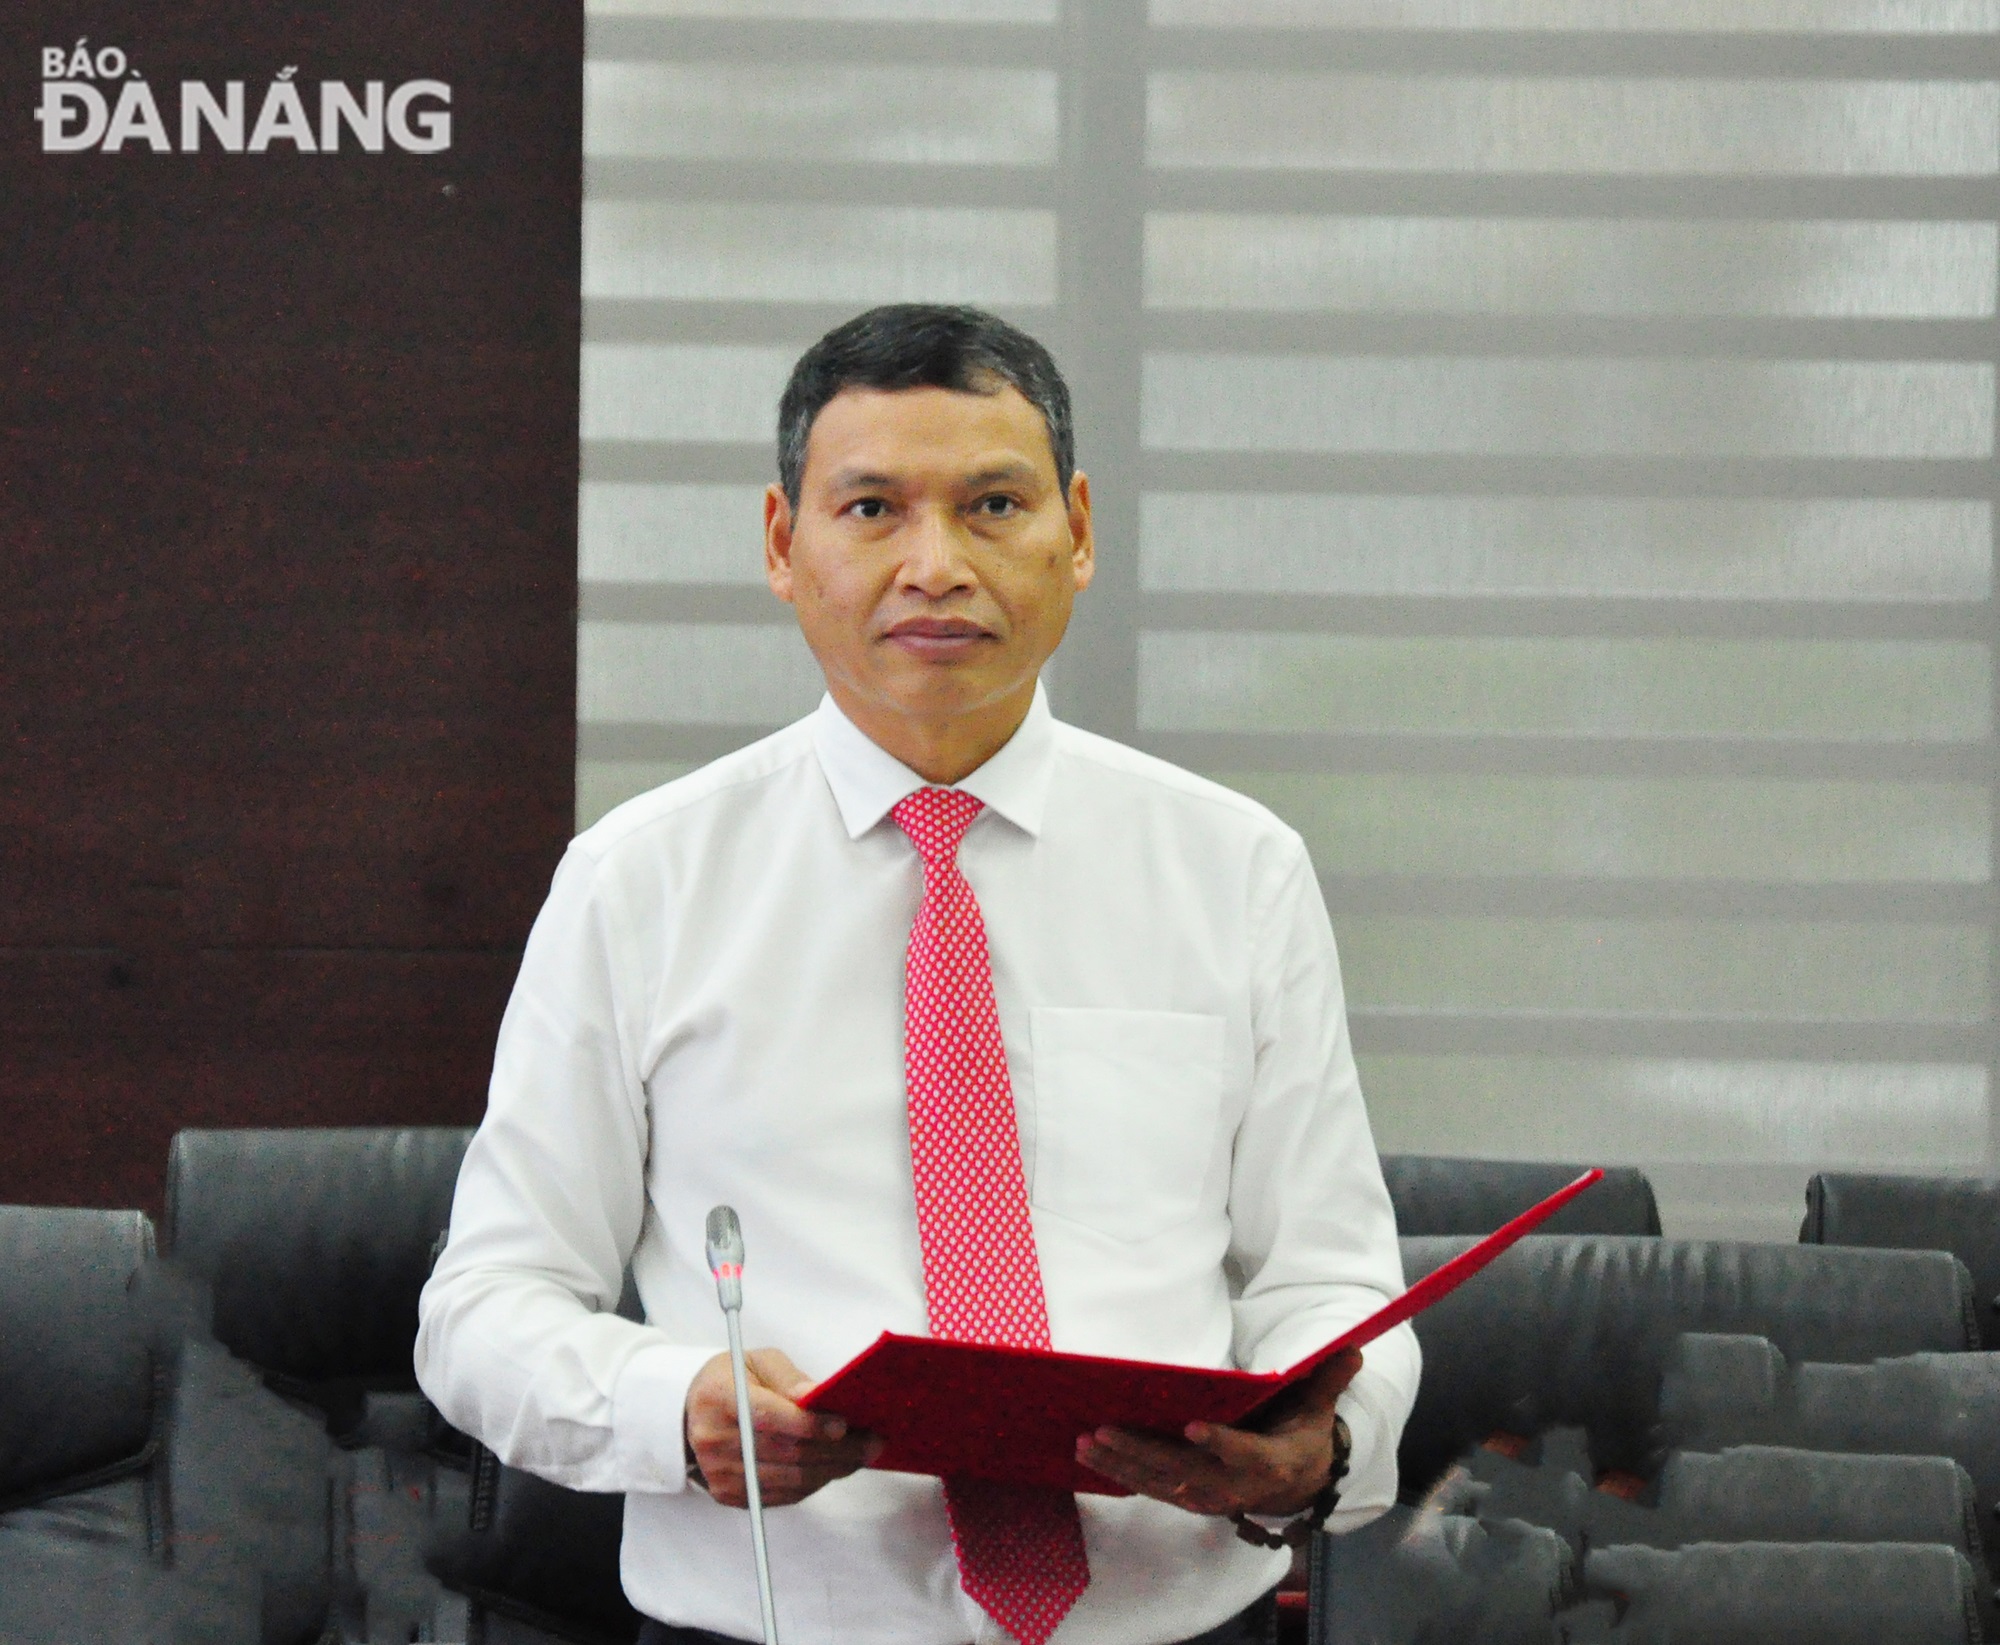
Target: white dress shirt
[(710, 1011)]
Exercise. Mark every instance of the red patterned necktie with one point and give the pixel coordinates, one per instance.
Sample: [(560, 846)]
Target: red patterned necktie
[(1020, 1548)]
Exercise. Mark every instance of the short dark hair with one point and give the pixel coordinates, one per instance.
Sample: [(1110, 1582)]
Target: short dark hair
[(922, 345)]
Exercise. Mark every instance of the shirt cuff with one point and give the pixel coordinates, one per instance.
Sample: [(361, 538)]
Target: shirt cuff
[(649, 1415), (1370, 1486), (1351, 1512)]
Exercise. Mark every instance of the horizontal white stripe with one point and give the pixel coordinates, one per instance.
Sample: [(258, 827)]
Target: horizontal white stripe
[(1720, 127), (841, 11), (1884, 691), (631, 533), (1608, 828), (1668, 970), (1691, 408), (1846, 548), (653, 391), (1918, 1117), (1391, 265), (831, 112), (694, 674), (1649, 16), (701, 251)]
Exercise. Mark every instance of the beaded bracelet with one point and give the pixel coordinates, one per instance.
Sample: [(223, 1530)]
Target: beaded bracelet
[(1313, 1517)]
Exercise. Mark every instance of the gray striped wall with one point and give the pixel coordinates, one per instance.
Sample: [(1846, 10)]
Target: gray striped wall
[(1544, 449)]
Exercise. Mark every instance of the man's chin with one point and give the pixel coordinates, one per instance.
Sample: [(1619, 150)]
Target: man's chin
[(936, 692)]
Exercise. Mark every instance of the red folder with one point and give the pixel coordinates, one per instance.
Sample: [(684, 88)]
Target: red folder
[(1015, 1414)]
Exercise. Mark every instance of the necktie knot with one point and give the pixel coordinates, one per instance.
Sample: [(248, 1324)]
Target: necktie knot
[(936, 820)]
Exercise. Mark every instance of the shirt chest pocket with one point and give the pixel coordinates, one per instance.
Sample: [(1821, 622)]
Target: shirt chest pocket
[(1126, 1107)]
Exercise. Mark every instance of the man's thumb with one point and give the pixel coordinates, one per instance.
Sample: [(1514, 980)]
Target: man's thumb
[(773, 1367)]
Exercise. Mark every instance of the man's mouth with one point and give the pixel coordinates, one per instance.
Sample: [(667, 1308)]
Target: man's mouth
[(937, 637)]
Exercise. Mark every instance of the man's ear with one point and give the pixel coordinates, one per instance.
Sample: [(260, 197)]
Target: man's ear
[(778, 542), (1083, 542)]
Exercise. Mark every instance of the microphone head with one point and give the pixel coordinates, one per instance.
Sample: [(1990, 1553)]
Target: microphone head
[(725, 1257), (725, 1240)]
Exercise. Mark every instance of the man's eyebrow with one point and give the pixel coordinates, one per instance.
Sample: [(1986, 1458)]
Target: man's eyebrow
[(848, 479), (1002, 473), (857, 479)]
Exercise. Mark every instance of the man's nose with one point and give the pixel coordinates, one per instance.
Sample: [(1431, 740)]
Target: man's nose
[(937, 564)]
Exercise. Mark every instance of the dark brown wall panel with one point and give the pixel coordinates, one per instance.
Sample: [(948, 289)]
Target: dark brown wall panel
[(288, 592)]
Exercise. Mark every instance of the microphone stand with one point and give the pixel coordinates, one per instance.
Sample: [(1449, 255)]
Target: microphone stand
[(725, 1261)]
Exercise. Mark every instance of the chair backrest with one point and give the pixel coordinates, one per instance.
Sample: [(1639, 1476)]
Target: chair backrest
[(1734, 1390), (1575, 1330), (315, 1243), (1436, 1195), (1778, 1593), (539, 1553), (1415, 1576), (78, 1386), (1766, 1493), (1747, 1493), (1956, 1214), (247, 1498)]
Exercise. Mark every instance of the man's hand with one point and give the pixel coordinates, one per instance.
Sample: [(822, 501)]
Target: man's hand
[(798, 1451), (1220, 1470)]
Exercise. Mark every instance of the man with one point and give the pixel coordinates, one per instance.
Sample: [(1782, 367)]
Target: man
[(987, 1027)]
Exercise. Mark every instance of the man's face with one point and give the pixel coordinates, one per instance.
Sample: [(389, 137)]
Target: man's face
[(933, 558)]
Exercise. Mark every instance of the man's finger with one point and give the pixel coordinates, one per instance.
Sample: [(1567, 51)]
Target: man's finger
[(782, 1481), (798, 1451), (771, 1371), (1157, 1467), (1240, 1452), (773, 1380), (712, 1417), (852, 1451), (1165, 1456), (1198, 1485)]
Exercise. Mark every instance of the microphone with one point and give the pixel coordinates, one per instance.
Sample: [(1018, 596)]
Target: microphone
[(725, 1262)]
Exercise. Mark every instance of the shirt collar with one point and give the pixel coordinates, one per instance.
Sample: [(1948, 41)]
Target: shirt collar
[(867, 781)]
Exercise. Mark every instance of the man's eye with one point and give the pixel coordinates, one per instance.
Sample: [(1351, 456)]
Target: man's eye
[(996, 507), (868, 508)]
